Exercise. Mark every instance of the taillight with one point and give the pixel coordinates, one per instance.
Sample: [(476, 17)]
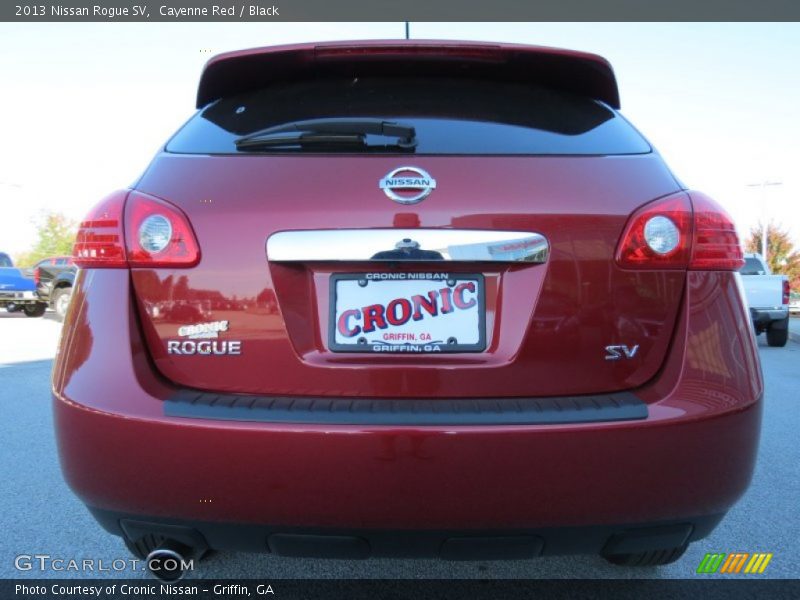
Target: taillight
[(136, 230), (684, 231), (99, 243), (786, 291), (716, 243), (158, 234), (37, 276), (658, 235)]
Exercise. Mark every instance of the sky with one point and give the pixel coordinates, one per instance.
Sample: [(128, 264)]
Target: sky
[(85, 106)]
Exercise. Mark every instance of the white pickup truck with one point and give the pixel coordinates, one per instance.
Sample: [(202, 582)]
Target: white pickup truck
[(768, 299)]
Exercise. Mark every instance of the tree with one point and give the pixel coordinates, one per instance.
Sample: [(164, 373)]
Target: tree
[(55, 236), (781, 255)]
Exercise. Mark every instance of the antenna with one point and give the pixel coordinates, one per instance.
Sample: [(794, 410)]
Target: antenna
[(408, 30)]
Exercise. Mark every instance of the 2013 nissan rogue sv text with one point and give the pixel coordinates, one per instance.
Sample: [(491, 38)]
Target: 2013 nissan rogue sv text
[(408, 298)]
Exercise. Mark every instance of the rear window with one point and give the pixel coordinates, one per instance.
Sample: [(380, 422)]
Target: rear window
[(752, 266), (5, 260), (450, 117)]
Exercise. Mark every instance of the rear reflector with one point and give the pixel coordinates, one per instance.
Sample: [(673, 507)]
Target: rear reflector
[(684, 231), (152, 233)]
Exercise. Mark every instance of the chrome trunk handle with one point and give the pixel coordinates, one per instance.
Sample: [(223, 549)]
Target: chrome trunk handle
[(399, 245)]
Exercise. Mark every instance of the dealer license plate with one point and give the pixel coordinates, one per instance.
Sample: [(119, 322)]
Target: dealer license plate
[(407, 312)]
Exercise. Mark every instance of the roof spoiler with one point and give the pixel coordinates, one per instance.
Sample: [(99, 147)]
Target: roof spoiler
[(246, 70)]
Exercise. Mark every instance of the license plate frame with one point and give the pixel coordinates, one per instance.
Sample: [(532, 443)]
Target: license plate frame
[(421, 347)]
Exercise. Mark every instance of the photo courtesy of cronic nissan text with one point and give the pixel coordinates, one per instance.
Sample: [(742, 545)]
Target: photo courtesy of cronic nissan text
[(358, 299)]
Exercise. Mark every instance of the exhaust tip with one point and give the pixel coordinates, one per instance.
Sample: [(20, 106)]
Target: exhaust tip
[(170, 561)]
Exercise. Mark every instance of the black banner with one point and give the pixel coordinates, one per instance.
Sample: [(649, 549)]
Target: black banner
[(407, 10), (330, 589)]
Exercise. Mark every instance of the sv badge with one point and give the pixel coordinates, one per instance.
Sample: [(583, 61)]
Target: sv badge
[(621, 351)]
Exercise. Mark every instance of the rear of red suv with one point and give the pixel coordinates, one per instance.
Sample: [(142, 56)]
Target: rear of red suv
[(408, 298)]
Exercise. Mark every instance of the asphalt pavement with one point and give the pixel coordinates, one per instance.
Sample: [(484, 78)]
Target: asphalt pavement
[(794, 329), (39, 514)]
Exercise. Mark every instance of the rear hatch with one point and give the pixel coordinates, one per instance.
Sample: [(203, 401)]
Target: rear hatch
[(332, 278)]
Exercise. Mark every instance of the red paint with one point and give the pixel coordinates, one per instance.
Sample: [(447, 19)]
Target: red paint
[(412, 477)]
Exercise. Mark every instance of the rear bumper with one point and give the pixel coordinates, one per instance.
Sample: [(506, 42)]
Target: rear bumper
[(570, 487), (497, 478), (763, 317), (25, 298)]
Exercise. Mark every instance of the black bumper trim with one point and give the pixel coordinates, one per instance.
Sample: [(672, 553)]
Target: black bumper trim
[(350, 411), (452, 544)]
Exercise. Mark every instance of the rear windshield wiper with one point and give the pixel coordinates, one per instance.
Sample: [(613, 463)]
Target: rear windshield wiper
[(331, 132)]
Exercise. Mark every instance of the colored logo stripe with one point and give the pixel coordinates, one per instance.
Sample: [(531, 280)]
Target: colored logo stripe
[(735, 562), (710, 563), (758, 563)]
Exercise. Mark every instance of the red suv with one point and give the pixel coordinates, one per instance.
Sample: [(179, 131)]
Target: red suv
[(408, 298)]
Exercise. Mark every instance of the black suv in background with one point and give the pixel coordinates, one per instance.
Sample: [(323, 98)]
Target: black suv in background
[(54, 278)]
